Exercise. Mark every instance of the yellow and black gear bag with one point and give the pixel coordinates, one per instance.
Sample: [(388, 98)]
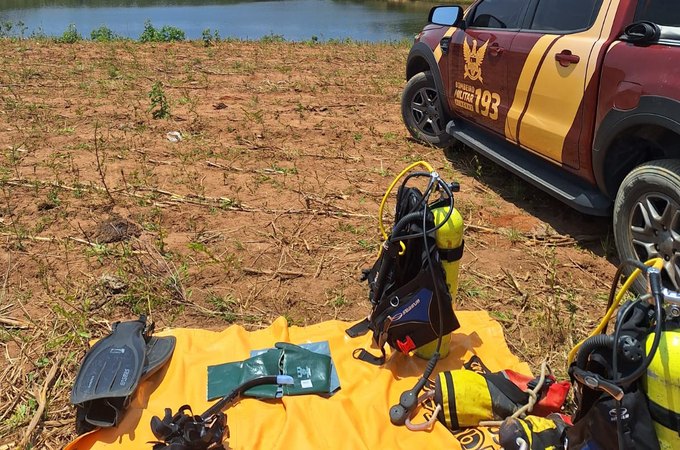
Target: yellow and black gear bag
[(468, 397)]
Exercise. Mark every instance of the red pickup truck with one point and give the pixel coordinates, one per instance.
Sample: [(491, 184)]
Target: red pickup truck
[(579, 97)]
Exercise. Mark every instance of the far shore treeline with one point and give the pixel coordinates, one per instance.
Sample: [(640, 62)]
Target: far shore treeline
[(17, 29), (166, 33), (22, 4)]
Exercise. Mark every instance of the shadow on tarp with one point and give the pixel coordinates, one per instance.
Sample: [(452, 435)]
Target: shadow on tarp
[(462, 344)]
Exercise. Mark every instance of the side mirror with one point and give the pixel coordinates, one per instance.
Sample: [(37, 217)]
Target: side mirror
[(446, 15)]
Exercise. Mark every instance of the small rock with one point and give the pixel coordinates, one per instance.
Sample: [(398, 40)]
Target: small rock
[(116, 229), (219, 105), (174, 136), (46, 206), (112, 284)]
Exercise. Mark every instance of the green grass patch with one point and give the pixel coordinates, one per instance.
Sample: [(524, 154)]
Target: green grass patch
[(166, 33), (70, 36), (105, 34)]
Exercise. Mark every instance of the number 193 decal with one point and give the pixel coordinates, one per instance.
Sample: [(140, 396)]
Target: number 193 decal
[(479, 101)]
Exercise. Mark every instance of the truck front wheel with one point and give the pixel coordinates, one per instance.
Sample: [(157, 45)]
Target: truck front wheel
[(422, 111), (647, 218)]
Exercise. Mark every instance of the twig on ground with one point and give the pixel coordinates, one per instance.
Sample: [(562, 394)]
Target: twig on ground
[(13, 323), (101, 160), (10, 407), (280, 273), (513, 283), (56, 239), (596, 279), (41, 397), (319, 267), (480, 228)]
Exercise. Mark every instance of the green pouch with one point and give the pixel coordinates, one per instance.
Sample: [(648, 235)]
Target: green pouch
[(311, 373), (223, 378)]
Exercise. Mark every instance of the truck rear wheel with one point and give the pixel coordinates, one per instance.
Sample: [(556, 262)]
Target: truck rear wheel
[(422, 111), (647, 218)]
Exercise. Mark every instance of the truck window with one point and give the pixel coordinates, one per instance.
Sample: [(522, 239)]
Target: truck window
[(661, 12), (561, 16), (498, 14)]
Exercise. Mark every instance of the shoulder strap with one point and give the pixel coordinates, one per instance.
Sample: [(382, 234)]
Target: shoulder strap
[(358, 329), (667, 418)]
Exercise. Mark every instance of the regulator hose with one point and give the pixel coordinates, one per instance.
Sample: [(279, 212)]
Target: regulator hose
[(616, 298), (435, 181), (605, 341), (616, 386), (656, 287), (403, 222), (423, 164)]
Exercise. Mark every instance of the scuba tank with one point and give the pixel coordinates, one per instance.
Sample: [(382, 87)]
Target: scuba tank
[(413, 281), (449, 241), (661, 383), (626, 383)]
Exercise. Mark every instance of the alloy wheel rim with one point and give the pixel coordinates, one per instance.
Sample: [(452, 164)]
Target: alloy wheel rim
[(425, 111), (655, 233)]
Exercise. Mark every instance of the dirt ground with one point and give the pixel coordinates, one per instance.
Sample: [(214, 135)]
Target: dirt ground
[(266, 207)]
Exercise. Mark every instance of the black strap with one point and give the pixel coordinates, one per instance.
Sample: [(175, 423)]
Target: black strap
[(452, 254), (365, 356), (358, 329), (667, 418), (476, 365), (507, 387)]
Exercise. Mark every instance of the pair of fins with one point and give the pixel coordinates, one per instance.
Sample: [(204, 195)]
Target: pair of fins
[(112, 370)]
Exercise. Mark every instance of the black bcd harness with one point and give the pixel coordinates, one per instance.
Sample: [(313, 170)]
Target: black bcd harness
[(407, 283), (613, 411)]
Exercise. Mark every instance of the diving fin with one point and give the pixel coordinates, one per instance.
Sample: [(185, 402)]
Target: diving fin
[(158, 352), (112, 370)]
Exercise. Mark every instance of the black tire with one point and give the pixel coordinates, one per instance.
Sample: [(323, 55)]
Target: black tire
[(422, 111), (647, 218)]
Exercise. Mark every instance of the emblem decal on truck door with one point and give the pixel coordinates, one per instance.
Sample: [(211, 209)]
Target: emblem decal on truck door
[(474, 58)]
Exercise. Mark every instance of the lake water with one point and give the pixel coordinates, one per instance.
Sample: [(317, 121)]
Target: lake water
[(295, 20)]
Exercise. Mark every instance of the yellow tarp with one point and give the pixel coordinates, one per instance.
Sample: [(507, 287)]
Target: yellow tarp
[(356, 417)]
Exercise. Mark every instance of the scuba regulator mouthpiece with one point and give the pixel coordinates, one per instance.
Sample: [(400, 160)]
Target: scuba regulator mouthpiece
[(408, 400)]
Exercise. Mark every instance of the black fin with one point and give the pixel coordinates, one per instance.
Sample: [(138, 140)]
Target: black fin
[(113, 366), (112, 370)]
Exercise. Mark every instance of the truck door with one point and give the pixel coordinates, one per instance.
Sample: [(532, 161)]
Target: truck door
[(552, 92), (478, 62)]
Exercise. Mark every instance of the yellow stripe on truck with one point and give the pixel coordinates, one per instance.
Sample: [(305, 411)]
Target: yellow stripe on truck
[(541, 130), (526, 77), (608, 24), (438, 51), (545, 125)]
